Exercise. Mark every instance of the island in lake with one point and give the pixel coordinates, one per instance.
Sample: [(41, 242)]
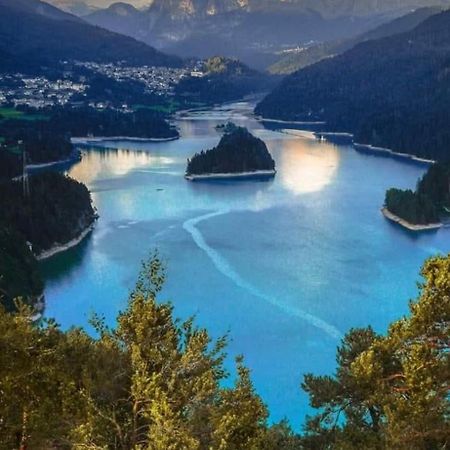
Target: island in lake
[(238, 155), (427, 206)]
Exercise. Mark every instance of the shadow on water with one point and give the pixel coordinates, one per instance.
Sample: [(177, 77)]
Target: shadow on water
[(62, 265)]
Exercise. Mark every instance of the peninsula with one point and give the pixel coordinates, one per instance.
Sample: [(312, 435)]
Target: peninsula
[(424, 208), (239, 155)]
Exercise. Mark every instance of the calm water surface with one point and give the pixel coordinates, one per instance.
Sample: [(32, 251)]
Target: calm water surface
[(286, 266)]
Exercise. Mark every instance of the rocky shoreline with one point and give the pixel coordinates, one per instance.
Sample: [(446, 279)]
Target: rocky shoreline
[(410, 226), (73, 158), (59, 248), (230, 176), (94, 140)]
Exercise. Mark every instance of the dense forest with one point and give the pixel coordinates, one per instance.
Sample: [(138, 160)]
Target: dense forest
[(392, 92), (155, 382), (20, 275), (10, 163), (238, 151), (142, 123), (428, 203), (33, 34), (46, 136), (56, 210), (225, 80)]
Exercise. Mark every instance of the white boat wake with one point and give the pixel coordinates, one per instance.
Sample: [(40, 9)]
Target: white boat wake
[(224, 267)]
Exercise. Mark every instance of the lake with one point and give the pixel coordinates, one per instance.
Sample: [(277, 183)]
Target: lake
[(285, 266)]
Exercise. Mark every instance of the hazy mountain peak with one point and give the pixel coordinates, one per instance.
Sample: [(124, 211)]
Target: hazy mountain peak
[(38, 7), (122, 9)]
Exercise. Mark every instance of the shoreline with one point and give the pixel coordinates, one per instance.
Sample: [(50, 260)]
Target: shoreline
[(411, 227), (231, 175), (93, 140), (325, 134), (75, 157), (391, 152), (298, 133), (295, 122), (376, 150), (60, 248)]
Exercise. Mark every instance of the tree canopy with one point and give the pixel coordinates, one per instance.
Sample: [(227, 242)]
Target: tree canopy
[(238, 151), (428, 203), (154, 382), (392, 391)]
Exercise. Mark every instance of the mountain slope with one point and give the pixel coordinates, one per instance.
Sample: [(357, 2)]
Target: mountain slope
[(39, 8), (315, 53), (119, 17), (33, 33), (224, 80), (392, 92)]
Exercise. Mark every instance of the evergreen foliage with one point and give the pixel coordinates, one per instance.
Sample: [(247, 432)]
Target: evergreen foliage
[(153, 382), (19, 271), (428, 202), (48, 140), (390, 392), (57, 209), (156, 383), (238, 151)]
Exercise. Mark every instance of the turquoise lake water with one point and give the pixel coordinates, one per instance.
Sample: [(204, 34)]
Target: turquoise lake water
[(286, 266)]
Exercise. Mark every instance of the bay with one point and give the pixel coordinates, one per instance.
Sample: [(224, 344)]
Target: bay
[(286, 267)]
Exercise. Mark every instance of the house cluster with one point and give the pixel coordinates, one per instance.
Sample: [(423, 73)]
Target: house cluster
[(37, 92), (157, 80)]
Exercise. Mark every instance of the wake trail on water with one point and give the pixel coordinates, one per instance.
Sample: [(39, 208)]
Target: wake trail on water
[(224, 267)]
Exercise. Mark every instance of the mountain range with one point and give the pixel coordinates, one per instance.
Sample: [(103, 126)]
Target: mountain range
[(391, 92), (250, 30), (35, 34)]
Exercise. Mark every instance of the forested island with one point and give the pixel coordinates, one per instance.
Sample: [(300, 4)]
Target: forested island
[(159, 383), (238, 154), (424, 207)]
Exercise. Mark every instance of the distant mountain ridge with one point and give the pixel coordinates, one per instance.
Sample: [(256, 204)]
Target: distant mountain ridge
[(34, 33), (250, 30), (315, 53), (327, 8), (392, 92)]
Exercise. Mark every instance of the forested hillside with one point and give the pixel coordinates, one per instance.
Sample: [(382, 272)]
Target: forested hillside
[(56, 210), (392, 92), (20, 276), (31, 38), (225, 80), (316, 52)]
